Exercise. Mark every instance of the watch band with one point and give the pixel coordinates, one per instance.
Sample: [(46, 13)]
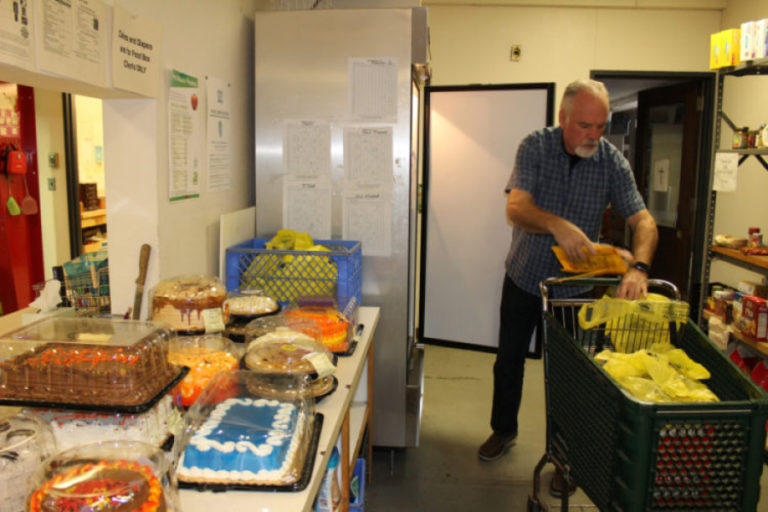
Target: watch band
[(642, 267)]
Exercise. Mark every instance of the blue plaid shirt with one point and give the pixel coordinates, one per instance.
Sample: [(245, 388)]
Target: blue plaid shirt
[(579, 194)]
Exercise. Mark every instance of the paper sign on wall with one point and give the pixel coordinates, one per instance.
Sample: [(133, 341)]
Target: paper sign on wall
[(368, 156), (74, 40), (307, 206), (219, 135), (661, 175), (307, 148), (367, 217), (726, 166), (135, 53), (17, 31), (372, 89), (184, 137)]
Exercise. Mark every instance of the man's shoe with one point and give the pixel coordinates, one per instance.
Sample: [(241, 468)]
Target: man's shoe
[(495, 447), (557, 484)]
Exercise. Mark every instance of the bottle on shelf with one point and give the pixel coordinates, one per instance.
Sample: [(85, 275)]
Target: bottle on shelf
[(755, 238)]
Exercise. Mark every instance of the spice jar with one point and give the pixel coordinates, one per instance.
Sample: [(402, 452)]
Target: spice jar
[(740, 138), (755, 237)]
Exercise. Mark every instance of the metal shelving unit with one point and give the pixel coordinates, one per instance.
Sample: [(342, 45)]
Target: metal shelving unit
[(754, 263)]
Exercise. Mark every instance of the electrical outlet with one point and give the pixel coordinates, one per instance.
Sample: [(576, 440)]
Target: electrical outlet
[(51, 183)]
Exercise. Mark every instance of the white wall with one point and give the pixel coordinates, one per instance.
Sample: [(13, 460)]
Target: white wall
[(54, 219), (746, 103), (201, 38)]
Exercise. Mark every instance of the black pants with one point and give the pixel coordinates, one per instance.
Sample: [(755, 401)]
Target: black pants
[(520, 314)]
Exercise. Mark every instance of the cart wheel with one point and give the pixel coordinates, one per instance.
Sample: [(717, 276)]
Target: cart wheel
[(533, 505)]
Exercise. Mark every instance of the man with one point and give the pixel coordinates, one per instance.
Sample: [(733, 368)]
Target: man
[(563, 180)]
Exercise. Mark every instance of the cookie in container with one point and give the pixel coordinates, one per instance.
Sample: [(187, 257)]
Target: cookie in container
[(96, 364), (276, 438)]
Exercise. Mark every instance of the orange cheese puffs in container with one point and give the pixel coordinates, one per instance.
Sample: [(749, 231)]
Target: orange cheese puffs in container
[(205, 356)]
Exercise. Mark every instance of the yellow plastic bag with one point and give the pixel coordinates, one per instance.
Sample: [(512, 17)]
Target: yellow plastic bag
[(634, 324), (607, 260), (652, 376)]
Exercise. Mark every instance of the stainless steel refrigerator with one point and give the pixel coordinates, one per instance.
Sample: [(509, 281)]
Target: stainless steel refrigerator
[(304, 74)]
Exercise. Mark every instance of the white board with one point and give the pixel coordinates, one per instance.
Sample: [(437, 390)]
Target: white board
[(473, 134)]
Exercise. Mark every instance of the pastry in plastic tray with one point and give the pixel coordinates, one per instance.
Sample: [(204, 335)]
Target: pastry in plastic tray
[(112, 476), (274, 387), (205, 356), (271, 436), (190, 304), (334, 327), (285, 351), (25, 442), (72, 427), (249, 304), (86, 362)]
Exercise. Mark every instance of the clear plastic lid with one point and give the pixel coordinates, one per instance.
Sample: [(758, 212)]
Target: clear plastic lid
[(285, 351), (205, 356), (249, 304), (105, 476), (73, 427), (85, 362), (272, 435), (335, 329), (25, 442), (190, 304), (269, 324)]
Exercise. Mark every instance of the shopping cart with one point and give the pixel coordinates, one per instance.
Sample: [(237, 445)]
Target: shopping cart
[(631, 455), (86, 280)]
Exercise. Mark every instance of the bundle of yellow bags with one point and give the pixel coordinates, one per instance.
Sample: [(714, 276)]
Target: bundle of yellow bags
[(662, 374), (634, 324), (286, 277)]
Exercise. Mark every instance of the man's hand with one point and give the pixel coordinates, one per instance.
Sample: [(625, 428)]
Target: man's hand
[(633, 286), (572, 240)]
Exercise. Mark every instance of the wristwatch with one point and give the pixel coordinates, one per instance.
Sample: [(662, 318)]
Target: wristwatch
[(642, 267)]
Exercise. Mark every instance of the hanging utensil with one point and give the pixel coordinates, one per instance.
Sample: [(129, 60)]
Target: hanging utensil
[(11, 204), (28, 204)]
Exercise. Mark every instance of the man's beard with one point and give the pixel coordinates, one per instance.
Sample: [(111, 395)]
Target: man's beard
[(586, 149)]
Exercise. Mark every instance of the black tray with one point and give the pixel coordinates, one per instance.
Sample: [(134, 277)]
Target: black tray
[(129, 409), (299, 485)]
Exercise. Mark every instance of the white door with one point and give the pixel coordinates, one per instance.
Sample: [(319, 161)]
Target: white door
[(473, 134)]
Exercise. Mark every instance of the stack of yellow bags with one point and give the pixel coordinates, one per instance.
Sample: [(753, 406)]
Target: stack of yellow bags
[(662, 374)]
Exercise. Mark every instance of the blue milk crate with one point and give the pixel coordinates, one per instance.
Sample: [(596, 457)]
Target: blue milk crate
[(287, 275)]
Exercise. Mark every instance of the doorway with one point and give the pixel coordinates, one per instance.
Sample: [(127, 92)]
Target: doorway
[(664, 120)]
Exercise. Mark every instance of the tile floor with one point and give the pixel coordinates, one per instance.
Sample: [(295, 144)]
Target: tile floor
[(444, 473)]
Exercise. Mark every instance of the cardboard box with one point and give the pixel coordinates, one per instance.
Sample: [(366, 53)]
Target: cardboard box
[(715, 50), (754, 289), (761, 38), (747, 42), (755, 315), (731, 45)]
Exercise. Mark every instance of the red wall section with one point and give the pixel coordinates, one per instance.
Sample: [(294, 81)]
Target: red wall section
[(21, 245)]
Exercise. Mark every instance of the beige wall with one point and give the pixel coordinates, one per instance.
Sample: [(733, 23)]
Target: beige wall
[(746, 103), (471, 44)]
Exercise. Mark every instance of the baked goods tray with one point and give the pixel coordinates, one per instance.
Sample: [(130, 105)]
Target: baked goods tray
[(109, 408), (352, 344), (299, 485)]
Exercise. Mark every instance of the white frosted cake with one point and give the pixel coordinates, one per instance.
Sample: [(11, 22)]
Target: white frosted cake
[(72, 428), (246, 441)]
